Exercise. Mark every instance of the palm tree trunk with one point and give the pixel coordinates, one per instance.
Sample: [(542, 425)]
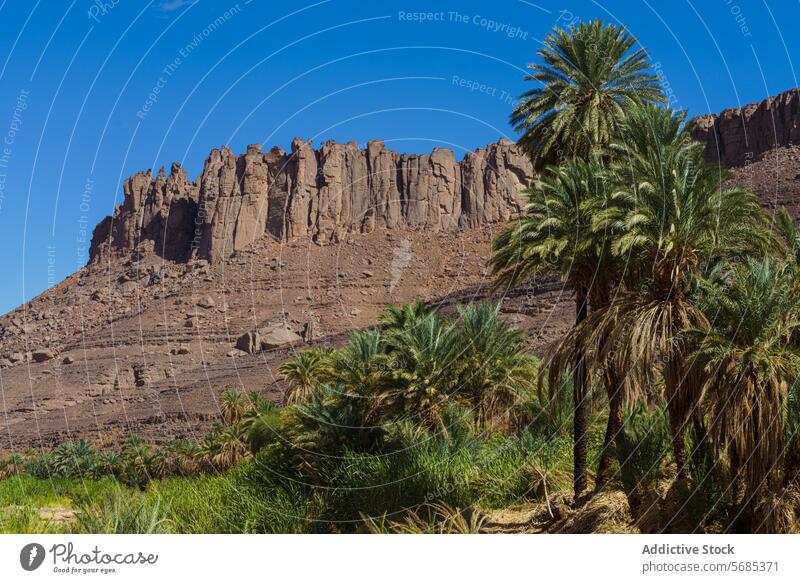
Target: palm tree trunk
[(677, 426), (614, 426), (579, 427), (678, 414)]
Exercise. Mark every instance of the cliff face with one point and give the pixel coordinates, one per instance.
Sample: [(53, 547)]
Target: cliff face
[(321, 194), (739, 136), (325, 193)]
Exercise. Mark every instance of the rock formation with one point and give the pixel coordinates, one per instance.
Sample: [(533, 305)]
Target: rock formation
[(742, 135), (337, 189), (322, 194)]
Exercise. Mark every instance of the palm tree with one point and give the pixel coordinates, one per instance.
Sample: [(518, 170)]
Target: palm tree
[(673, 218), (234, 446), (360, 366), (398, 318), (209, 451), (258, 403), (109, 463), (233, 406), (748, 365), (158, 463), (14, 464), (589, 76), (305, 371), (136, 459), (496, 370), (791, 235), (421, 374), (556, 234), (188, 457)]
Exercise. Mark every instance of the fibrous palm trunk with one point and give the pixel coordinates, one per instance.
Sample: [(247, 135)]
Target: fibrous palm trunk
[(579, 427), (614, 425), (679, 412)]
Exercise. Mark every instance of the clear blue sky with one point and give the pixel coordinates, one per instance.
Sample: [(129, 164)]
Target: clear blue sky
[(77, 114)]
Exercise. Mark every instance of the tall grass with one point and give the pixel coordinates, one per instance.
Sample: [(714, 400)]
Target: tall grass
[(642, 447), (239, 501), (123, 511)]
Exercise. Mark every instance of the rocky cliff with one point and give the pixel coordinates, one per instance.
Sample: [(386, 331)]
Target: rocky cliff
[(320, 194), (742, 135), (325, 193)]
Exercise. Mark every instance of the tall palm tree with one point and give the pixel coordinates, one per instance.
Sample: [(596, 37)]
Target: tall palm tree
[(305, 371), (589, 75), (674, 218), (748, 364), (556, 234)]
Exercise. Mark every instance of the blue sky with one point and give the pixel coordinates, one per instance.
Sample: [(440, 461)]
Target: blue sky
[(94, 91)]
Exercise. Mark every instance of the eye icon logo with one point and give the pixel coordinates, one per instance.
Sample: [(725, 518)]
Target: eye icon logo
[(31, 556)]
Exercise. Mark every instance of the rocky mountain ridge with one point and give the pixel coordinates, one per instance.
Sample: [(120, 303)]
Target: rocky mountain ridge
[(338, 189), (320, 194), (739, 136)]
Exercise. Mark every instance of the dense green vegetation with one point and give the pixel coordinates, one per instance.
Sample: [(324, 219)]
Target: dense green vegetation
[(686, 295), (399, 417), (678, 385)]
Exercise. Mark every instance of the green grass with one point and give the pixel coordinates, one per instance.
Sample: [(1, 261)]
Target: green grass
[(234, 502), (271, 494), (25, 490)]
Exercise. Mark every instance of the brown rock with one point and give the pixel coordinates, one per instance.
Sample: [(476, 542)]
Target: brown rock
[(207, 302), (280, 337), (42, 355), (249, 342), (68, 360)]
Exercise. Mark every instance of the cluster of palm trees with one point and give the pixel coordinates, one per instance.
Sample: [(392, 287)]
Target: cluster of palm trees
[(418, 364), (227, 444), (684, 289)]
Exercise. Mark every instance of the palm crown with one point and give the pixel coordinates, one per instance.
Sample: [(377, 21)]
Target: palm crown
[(589, 75)]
